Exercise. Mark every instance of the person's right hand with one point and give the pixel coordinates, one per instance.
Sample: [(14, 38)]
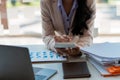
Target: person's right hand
[(63, 51), (73, 52), (63, 38)]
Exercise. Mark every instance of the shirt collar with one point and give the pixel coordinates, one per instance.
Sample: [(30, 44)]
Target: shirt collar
[(75, 4), (59, 3)]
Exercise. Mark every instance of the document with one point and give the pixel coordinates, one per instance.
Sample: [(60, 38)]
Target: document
[(104, 52), (103, 69), (39, 53), (99, 67)]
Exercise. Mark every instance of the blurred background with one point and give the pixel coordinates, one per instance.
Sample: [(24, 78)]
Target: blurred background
[(22, 19)]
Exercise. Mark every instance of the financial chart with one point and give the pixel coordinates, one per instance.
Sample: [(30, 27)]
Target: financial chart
[(39, 53)]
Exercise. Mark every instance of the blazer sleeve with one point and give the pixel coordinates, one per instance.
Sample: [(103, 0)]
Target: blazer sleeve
[(87, 38), (47, 26)]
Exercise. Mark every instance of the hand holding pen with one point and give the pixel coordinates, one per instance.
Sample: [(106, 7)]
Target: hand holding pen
[(67, 51)]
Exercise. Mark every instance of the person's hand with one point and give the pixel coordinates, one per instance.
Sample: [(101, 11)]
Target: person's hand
[(67, 51), (74, 52), (63, 51), (63, 38)]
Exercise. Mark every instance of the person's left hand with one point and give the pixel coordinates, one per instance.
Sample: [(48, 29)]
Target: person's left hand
[(75, 52)]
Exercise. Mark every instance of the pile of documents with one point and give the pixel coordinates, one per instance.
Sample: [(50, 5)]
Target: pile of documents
[(105, 57)]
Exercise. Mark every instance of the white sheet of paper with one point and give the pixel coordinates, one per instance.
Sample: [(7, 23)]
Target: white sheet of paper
[(39, 53), (99, 67)]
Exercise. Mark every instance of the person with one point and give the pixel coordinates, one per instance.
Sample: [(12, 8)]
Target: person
[(68, 21)]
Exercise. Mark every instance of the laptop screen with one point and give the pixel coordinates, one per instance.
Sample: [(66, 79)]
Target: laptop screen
[(15, 63)]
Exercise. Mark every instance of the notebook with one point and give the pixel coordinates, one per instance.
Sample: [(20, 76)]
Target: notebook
[(75, 70), (15, 64)]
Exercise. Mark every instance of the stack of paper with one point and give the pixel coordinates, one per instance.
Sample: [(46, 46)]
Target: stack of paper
[(103, 55)]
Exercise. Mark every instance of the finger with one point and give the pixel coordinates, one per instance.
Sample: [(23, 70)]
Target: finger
[(66, 48), (66, 40), (61, 39), (62, 51), (65, 51), (67, 37), (76, 53), (73, 52), (76, 48), (59, 51), (69, 51), (70, 38), (58, 39)]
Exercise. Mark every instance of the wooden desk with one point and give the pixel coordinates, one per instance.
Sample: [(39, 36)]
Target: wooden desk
[(95, 75)]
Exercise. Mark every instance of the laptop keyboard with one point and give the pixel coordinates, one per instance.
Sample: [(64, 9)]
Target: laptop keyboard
[(35, 70), (40, 77)]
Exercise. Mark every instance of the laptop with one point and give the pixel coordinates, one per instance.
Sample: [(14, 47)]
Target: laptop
[(15, 64)]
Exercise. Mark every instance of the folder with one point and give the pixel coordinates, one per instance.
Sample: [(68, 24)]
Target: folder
[(104, 52), (101, 68), (105, 57), (75, 70)]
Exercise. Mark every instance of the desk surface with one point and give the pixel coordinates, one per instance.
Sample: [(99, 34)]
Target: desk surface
[(95, 75)]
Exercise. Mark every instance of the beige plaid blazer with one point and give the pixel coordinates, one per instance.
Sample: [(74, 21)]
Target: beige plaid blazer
[(52, 24)]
